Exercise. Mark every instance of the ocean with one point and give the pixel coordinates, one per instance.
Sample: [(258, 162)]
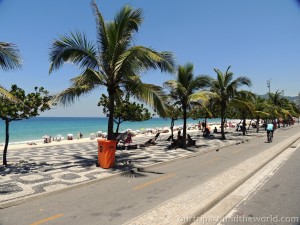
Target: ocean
[(35, 128)]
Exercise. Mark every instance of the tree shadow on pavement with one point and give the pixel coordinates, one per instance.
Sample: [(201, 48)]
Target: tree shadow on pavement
[(22, 167), (129, 169), (85, 162)]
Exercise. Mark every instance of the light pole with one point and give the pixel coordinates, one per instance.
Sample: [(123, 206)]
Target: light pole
[(269, 85)]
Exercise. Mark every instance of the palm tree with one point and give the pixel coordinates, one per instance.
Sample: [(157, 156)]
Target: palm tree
[(113, 62), (294, 110), (9, 59), (183, 87), (242, 103), (279, 106), (226, 88), (203, 106), (261, 107)]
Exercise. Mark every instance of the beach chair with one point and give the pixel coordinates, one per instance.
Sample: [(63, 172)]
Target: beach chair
[(151, 141), (170, 138), (128, 139), (123, 139)]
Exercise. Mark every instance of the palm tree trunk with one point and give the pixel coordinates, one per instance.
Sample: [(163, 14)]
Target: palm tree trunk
[(265, 122), (223, 108), (172, 126), (6, 142), (244, 125), (110, 126), (257, 124), (184, 126)]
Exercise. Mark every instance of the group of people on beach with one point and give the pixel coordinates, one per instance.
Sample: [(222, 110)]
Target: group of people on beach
[(205, 129), (178, 142)]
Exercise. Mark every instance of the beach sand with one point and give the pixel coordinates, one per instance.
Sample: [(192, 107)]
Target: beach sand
[(52, 143), (139, 138)]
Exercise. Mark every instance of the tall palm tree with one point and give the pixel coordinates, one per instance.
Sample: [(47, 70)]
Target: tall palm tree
[(183, 87), (226, 88), (113, 61), (9, 59)]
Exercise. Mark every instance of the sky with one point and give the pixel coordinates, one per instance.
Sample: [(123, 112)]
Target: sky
[(257, 38)]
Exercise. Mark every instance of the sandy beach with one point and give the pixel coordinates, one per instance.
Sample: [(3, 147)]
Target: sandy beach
[(52, 143), (138, 137)]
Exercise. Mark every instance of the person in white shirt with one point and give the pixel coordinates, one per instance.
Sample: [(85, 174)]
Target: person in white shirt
[(270, 129)]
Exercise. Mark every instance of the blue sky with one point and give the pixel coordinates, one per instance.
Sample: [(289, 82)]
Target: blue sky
[(258, 39)]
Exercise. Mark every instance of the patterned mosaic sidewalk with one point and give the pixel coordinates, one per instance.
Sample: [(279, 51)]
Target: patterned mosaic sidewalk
[(49, 168)]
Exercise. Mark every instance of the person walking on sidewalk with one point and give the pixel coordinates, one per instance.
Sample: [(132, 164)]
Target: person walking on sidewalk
[(270, 131)]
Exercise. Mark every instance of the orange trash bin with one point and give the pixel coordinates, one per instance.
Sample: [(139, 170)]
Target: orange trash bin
[(106, 153)]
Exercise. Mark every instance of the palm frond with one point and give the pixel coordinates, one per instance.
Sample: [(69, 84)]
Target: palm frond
[(139, 58), (120, 33), (261, 114), (102, 38), (242, 105), (218, 84), (152, 95), (285, 112), (9, 56), (74, 49), (202, 97), (185, 75), (6, 94), (240, 81), (89, 77), (228, 76), (69, 95), (201, 81)]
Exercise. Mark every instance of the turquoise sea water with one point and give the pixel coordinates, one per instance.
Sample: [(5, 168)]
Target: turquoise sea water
[(35, 128)]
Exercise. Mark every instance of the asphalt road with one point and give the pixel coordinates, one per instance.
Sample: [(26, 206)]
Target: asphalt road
[(276, 202), (121, 198)]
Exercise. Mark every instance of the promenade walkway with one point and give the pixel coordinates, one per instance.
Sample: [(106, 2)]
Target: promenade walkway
[(34, 171)]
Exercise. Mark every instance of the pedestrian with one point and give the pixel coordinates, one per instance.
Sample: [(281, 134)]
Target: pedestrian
[(203, 125), (199, 125)]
